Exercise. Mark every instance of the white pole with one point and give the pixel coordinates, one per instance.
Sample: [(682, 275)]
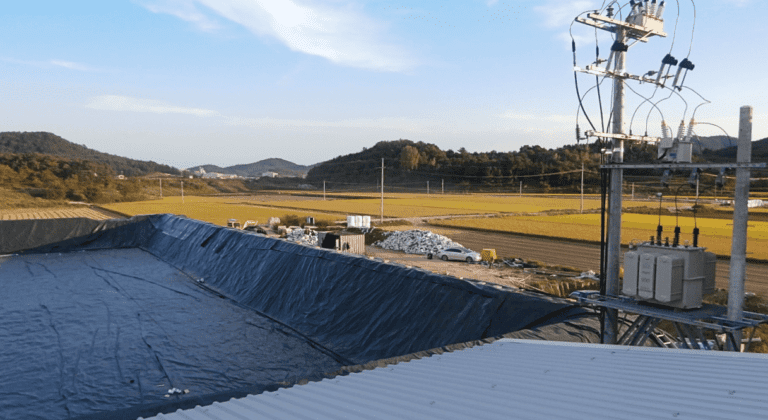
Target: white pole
[(323, 190), (442, 186), (381, 219), (521, 188), (581, 206), (740, 216), (613, 247), (427, 187), (697, 188)]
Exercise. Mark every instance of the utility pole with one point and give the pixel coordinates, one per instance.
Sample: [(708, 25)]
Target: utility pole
[(633, 190), (737, 273), (442, 186), (521, 189), (581, 206), (182, 191), (427, 187), (613, 247), (161, 187), (323, 190), (381, 219)]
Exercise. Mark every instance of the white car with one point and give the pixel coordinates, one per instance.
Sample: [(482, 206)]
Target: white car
[(458, 254)]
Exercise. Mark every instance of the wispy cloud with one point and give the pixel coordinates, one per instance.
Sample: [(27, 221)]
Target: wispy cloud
[(129, 104), (186, 11), (338, 31), (560, 13), (72, 65), (54, 62)]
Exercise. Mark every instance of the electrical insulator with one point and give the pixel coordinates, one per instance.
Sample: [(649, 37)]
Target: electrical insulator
[(668, 61), (660, 10), (665, 132), (693, 178), (652, 12), (681, 130), (689, 134), (684, 65), (632, 9), (720, 180)]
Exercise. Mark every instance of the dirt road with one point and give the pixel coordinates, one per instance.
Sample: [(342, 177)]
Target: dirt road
[(579, 255)]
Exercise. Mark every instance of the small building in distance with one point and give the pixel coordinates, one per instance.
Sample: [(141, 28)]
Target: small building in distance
[(351, 242), (269, 174)]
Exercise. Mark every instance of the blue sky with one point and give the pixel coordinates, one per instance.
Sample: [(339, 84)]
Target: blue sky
[(190, 82)]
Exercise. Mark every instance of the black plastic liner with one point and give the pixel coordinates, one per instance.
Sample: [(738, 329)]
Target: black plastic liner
[(80, 326)]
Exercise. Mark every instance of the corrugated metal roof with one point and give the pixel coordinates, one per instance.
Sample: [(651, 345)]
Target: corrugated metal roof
[(526, 379)]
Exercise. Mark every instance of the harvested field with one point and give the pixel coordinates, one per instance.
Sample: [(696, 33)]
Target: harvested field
[(216, 210), (56, 213)]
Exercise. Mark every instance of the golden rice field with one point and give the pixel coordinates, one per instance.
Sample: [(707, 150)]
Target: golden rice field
[(426, 206), (715, 233), (214, 210)]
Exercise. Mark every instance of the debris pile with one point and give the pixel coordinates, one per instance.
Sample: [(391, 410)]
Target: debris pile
[(416, 241), (308, 237)]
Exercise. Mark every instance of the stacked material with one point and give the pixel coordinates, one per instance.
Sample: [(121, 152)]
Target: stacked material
[(416, 241), (308, 237)]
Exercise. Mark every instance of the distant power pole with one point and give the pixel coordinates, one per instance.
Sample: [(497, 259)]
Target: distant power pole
[(323, 190), (521, 188), (381, 220), (442, 186), (182, 191), (427, 187), (161, 187), (633, 190), (581, 206)]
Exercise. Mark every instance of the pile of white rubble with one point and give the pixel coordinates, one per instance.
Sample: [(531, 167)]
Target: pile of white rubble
[(300, 236), (416, 241)]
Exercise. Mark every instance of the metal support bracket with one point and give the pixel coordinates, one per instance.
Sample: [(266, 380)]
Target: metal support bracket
[(689, 325)]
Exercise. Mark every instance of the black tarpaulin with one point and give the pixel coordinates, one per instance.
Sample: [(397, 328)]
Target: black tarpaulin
[(88, 315)]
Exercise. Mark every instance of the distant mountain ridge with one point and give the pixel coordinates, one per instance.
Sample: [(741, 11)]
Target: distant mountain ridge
[(281, 166), (51, 144)]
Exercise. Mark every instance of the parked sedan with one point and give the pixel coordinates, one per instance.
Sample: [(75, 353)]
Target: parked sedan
[(458, 254)]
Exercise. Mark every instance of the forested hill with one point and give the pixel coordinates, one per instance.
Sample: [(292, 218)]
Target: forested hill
[(51, 144), (281, 166), (408, 161)]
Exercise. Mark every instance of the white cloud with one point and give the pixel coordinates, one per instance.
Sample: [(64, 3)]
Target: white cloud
[(71, 65), (560, 13), (185, 11), (126, 103), (335, 30)]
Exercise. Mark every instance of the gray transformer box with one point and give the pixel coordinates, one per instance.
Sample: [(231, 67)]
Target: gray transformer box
[(672, 276)]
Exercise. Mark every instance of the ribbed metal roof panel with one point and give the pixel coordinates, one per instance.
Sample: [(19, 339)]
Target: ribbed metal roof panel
[(526, 379)]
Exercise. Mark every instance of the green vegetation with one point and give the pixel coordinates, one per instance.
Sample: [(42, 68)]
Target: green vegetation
[(51, 144)]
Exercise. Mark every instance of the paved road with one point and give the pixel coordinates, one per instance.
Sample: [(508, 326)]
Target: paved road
[(582, 256)]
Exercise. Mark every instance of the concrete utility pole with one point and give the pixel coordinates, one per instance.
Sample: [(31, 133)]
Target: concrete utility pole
[(613, 247), (381, 220), (521, 188), (427, 187), (442, 186), (323, 190), (633, 190), (182, 191), (161, 187), (740, 218)]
